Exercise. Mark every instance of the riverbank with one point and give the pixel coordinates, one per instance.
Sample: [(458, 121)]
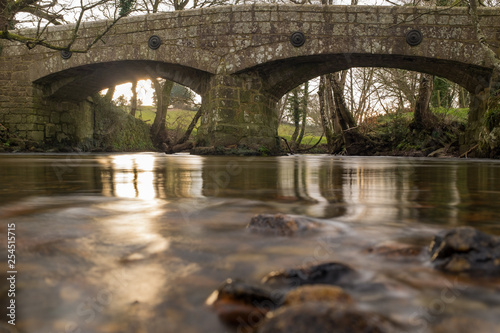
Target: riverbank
[(385, 135)]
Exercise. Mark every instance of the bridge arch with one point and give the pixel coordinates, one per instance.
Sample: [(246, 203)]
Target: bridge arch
[(241, 59), (77, 83), (282, 76)]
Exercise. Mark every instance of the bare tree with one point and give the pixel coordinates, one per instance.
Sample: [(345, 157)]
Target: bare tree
[(158, 129), (42, 14), (133, 100), (422, 115), (324, 113)]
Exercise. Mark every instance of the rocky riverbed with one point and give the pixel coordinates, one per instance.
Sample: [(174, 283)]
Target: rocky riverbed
[(328, 296)]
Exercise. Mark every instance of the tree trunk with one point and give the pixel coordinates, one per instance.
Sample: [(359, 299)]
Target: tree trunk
[(4, 20), (344, 117), (295, 104), (354, 142), (423, 117), (191, 126), (305, 102), (179, 147), (133, 101), (282, 106), (480, 37), (463, 100), (324, 114), (158, 129), (330, 104), (109, 94)]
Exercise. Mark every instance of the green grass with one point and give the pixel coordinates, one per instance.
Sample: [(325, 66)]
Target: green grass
[(457, 114), (311, 135), (180, 119), (175, 118), (450, 113), (394, 125)]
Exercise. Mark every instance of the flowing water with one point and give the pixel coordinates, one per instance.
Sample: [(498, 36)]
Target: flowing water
[(137, 242)]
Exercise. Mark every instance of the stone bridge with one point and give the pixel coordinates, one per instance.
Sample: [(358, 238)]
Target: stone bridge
[(240, 59)]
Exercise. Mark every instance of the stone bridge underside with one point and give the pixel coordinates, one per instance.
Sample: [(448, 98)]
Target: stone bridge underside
[(240, 59)]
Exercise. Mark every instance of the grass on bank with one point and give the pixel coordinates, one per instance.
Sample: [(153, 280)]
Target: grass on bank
[(392, 129), (180, 119), (395, 131)]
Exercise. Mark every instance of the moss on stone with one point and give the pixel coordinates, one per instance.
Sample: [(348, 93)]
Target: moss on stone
[(118, 131), (492, 118)]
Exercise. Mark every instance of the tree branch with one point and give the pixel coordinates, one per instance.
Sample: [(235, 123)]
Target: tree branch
[(481, 38), (43, 14)]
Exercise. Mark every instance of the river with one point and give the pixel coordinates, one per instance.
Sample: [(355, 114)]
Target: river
[(137, 242)]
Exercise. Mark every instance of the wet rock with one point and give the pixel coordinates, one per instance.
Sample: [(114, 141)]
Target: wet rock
[(466, 249), (318, 293), (19, 143), (465, 325), (282, 225), (326, 273), (66, 149), (395, 250), (239, 303), (324, 317), (438, 153)]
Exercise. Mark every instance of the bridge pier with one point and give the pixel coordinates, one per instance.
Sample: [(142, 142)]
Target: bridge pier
[(238, 112), (480, 131)]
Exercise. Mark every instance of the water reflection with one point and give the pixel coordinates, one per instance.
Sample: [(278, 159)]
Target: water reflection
[(145, 176), (370, 189), (135, 243)]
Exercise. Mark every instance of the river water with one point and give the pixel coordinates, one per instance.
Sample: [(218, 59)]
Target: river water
[(137, 242)]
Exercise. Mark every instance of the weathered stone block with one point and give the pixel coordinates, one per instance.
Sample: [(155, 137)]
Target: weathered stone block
[(26, 127), (66, 117), (50, 131), (367, 18), (13, 118), (35, 135)]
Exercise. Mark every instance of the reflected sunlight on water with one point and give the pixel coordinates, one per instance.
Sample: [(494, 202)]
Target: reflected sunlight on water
[(137, 242), (141, 176)]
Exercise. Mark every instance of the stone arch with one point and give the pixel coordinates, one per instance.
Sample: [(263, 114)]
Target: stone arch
[(80, 82), (282, 76)]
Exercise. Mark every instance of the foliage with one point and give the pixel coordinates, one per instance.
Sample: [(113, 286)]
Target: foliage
[(443, 93), (182, 97), (393, 132), (459, 114), (294, 108), (118, 131), (492, 118), (121, 101), (44, 13), (126, 7)]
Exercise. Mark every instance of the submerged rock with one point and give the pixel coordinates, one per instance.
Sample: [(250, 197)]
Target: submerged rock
[(465, 325), (323, 317), (325, 273), (239, 303), (466, 249), (318, 293), (281, 224), (395, 250)]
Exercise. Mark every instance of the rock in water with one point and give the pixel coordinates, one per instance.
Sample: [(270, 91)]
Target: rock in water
[(466, 249), (327, 273), (395, 251), (239, 303), (281, 225), (318, 293), (324, 317)]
